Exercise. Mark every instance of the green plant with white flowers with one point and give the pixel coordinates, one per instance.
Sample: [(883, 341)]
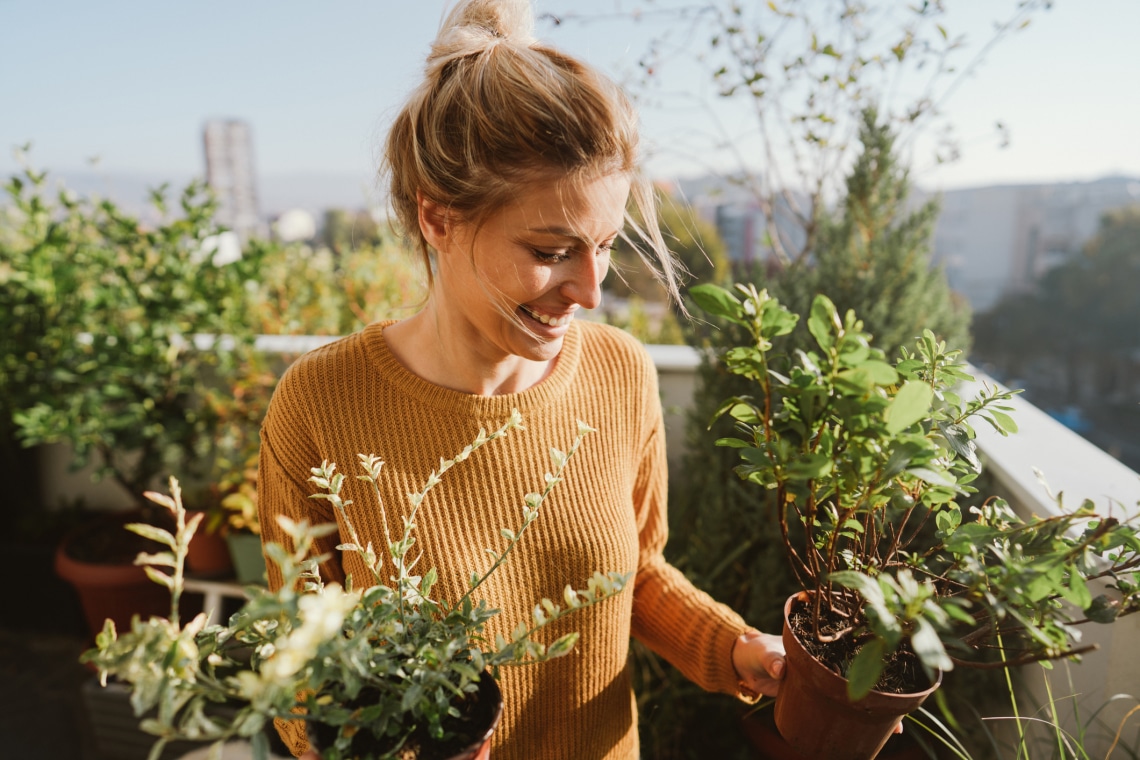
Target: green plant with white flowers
[(384, 658)]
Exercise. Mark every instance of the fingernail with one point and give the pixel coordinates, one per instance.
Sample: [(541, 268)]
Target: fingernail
[(778, 668)]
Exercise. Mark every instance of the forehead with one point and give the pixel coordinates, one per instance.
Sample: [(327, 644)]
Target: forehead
[(592, 208)]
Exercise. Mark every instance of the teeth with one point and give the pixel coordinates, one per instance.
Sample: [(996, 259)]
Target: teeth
[(552, 321)]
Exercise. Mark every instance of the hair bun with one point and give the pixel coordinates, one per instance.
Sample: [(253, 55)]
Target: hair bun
[(474, 26)]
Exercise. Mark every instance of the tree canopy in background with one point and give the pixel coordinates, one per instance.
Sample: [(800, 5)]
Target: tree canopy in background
[(804, 71), (1083, 313)]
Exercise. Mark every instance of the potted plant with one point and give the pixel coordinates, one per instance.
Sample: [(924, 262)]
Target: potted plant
[(378, 669), (865, 462), (243, 531), (122, 313)]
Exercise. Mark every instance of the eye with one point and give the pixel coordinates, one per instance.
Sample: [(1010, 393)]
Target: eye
[(550, 257)]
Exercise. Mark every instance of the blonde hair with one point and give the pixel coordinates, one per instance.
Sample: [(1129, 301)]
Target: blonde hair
[(498, 110)]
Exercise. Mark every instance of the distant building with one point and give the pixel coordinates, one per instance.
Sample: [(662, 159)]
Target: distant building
[(230, 173), (998, 240), (739, 220)]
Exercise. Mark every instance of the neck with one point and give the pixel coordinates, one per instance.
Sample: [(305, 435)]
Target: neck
[(445, 355)]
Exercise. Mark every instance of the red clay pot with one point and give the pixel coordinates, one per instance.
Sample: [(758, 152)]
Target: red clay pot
[(114, 590), (814, 716), (208, 555), (760, 728)]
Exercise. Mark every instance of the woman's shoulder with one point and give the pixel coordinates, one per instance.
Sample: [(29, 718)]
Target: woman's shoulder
[(320, 373), (340, 357), (615, 356), (607, 339)]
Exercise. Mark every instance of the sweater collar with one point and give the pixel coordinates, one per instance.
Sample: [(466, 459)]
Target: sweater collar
[(552, 388)]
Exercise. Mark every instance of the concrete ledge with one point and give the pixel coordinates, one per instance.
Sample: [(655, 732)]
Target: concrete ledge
[(1069, 464)]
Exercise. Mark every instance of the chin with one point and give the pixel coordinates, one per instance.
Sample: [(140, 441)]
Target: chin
[(538, 350)]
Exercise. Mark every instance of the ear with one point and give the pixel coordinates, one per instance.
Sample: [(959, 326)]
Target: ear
[(436, 223)]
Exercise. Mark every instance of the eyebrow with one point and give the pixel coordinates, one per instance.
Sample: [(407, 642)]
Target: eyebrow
[(566, 232)]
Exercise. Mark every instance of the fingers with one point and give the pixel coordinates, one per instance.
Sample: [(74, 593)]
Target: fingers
[(759, 662)]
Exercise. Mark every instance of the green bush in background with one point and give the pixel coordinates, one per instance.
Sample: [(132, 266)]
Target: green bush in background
[(100, 325)]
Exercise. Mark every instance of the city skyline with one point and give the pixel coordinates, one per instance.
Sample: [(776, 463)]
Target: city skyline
[(134, 84)]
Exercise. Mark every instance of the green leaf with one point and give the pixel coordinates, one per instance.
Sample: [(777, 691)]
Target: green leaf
[(1102, 610), (910, 404), (733, 443), (948, 520), (865, 669), (959, 439), (562, 646), (933, 477), (159, 577), (823, 321), (744, 413), (260, 746), (854, 382), (809, 467), (162, 559), (881, 372), (1077, 591), (1004, 420), (929, 649), (154, 534), (864, 584), (717, 301), (952, 608), (901, 455)]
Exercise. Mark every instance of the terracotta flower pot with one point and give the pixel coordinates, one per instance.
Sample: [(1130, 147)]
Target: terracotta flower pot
[(485, 717), (208, 555), (760, 728), (814, 716), (109, 589)]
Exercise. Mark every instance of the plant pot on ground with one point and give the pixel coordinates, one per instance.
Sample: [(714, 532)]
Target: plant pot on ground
[(864, 462), (97, 559), (243, 531), (208, 555)]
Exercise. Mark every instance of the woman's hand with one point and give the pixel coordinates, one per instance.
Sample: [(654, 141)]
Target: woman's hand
[(759, 662)]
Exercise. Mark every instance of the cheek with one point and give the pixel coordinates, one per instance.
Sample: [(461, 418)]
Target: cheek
[(603, 266), (518, 275)]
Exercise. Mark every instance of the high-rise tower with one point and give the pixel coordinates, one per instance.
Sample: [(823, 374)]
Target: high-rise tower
[(230, 173)]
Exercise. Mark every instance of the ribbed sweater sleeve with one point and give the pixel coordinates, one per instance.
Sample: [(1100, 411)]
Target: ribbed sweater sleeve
[(670, 615)]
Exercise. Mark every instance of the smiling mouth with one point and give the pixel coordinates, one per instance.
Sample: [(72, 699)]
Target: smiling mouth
[(546, 320)]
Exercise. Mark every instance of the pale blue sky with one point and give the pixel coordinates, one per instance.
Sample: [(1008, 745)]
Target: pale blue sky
[(132, 81)]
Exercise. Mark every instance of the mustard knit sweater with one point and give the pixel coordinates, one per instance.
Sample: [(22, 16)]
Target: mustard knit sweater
[(609, 514)]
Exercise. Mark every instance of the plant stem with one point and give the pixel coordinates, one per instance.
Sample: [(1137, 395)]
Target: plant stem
[(1013, 701)]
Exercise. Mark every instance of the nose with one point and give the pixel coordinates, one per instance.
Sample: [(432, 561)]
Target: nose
[(584, 285)]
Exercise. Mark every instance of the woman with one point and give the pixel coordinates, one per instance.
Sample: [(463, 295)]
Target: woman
[(511, 168)]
